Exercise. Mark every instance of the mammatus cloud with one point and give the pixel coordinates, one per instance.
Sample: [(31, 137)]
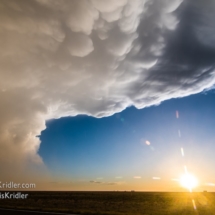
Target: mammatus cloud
[(94, 57)]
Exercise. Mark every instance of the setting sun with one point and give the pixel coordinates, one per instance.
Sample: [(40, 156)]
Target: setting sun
[(188, 181)]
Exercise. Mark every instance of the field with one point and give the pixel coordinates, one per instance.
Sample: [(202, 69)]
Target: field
[(116, 203)]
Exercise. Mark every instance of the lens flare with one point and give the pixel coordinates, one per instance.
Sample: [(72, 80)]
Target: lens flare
[(188, 181), (194, 204)]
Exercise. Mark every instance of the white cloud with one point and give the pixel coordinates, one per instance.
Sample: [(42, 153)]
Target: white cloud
[(79, 45), (108, 6)]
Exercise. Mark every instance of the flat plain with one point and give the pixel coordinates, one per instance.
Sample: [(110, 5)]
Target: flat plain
[(116, 203)]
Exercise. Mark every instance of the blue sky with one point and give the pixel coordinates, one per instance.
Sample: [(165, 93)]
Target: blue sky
[(87, 148)]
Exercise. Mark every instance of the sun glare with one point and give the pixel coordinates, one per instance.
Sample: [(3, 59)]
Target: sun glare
[(188, 181)]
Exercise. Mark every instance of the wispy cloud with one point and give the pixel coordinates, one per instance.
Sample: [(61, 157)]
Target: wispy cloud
[(108, 183), (137, 177)]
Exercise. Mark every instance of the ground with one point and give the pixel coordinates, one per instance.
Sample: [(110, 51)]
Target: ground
[(117, 203)]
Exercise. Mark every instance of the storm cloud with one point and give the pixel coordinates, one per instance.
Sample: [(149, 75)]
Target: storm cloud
[(95, 57)]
